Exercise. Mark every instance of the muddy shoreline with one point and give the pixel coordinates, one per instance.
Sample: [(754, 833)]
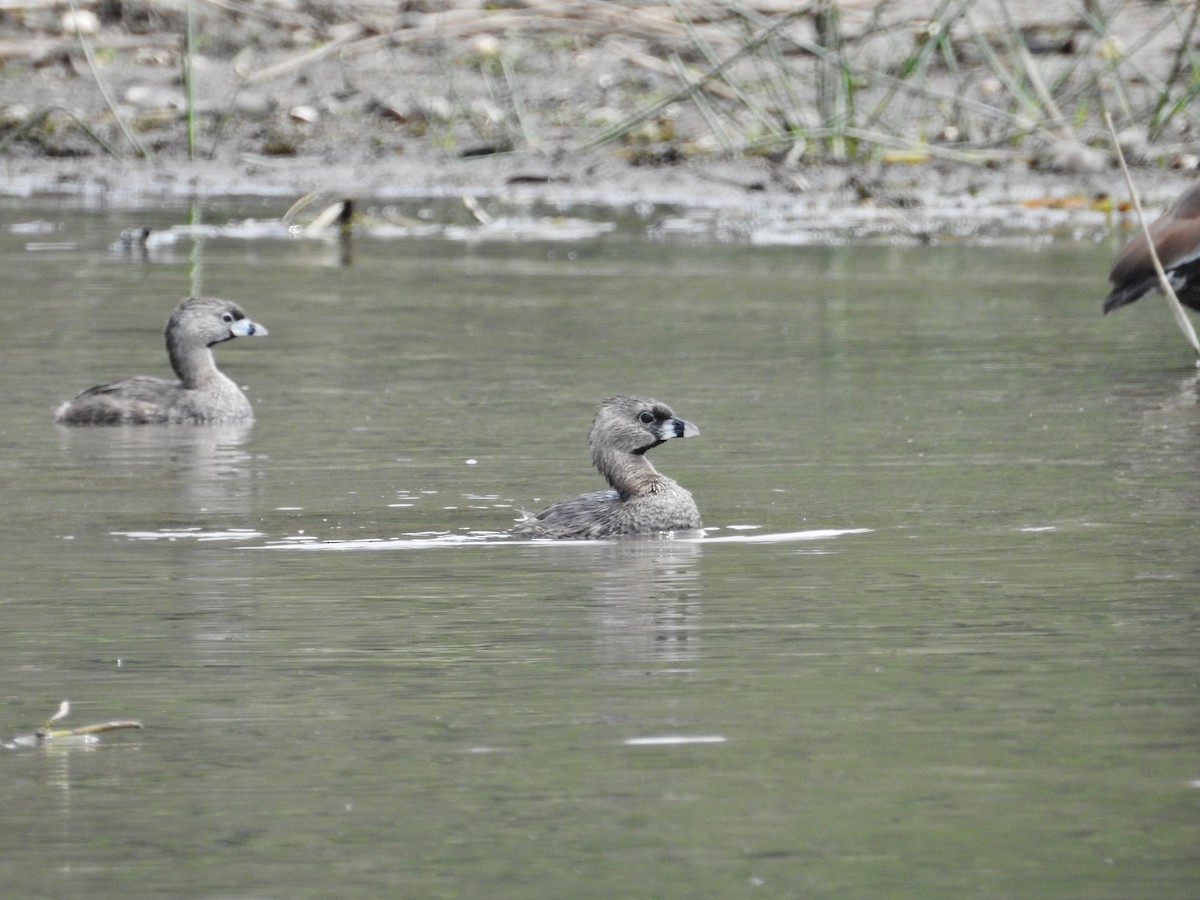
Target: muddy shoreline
[(934, 193), (608, 104), (837, 203)]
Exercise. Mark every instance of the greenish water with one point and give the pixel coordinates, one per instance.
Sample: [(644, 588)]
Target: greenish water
[(982, 683)]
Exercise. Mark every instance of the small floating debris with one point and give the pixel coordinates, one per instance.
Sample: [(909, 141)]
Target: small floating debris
[(675, 740), (50, 246), (506, 228), (37, 226), (813, 534), (196, 534), (340, 213), (309, 218), (84, 734), (330, 221), (543, 228)]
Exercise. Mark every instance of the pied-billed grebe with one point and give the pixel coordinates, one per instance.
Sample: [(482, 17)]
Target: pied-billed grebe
[(202, 395), (1176, 236), (641, 500)]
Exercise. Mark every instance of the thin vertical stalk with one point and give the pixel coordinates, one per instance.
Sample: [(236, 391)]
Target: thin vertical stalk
[(196, 271), (834, 81), (518, 104), (710, 57), (1166, 109), (1164, 283), (189, 84), (715, 125), (913, 67), (104, 92)]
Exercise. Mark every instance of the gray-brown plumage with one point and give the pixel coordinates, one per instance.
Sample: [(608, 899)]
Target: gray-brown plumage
[(641, 500), (1176, 237), (202, 395)]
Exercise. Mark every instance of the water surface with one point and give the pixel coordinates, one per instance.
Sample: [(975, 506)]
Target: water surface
[(976, 677)]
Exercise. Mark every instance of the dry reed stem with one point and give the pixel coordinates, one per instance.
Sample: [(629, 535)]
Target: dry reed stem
[(1164, 283), (787, 67), (103, 87)]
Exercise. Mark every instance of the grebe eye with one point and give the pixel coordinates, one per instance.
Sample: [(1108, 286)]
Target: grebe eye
[(646, 418)]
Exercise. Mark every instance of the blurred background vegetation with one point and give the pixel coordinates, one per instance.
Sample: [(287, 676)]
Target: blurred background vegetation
[(975, 81)]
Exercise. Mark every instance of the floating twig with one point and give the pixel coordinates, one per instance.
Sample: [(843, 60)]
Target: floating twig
[(46, 734)]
